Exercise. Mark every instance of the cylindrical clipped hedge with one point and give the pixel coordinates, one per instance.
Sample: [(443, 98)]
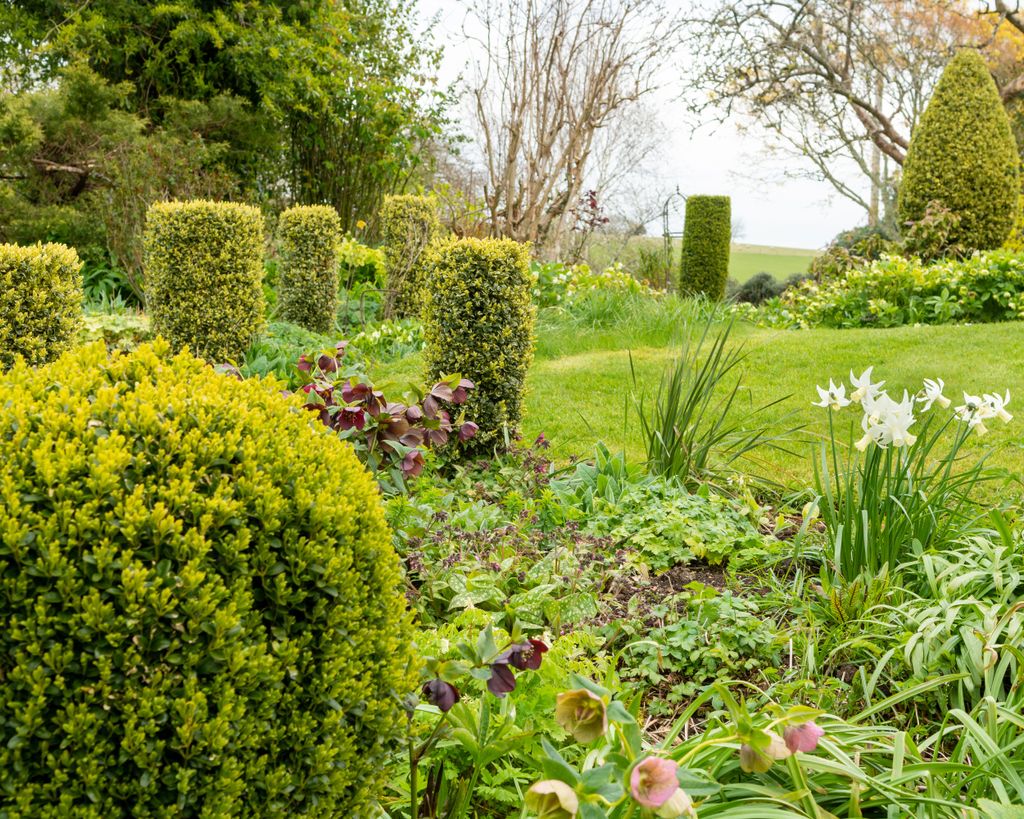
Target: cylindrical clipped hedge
[(201, 605), (707, 234), (40, 302), (308, 293), (204, 276), (479, 323), (963, 155), (408, 224)]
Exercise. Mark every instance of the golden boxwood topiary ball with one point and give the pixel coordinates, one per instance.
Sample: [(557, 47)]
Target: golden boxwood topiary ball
[(201, 605)]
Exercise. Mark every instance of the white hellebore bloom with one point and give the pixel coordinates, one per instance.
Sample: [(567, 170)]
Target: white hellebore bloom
[(997, 406), (833, 398), (863, 388), (932, 394)]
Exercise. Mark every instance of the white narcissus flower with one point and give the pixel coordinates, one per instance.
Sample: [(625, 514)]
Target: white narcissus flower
[(863, 388), (932, 394), (973, 412), (886, 422), (997, 406), (833, 398)]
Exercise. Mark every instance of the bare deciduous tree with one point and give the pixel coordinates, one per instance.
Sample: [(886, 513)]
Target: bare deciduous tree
[(839, 83), (554, 74)]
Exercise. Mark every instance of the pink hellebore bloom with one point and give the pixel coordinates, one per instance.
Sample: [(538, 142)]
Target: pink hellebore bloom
[(754, 760), (803, 737), (412, 463), (467, 431), (653, 781)]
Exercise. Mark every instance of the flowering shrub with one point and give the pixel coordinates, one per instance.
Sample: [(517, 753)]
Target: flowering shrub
[(908, 489), (557, 283), (389, 437), (895, 291)]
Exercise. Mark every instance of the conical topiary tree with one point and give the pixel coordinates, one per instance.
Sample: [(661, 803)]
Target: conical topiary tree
[(963, 155)]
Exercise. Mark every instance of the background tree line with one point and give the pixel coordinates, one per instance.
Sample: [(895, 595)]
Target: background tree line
[(110, 105)]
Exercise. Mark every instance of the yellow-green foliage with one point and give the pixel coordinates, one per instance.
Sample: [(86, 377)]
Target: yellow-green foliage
[(310, 238), (707, 235), (1015, 241), (479, 323), (40, 302), (204, 274), (201, 606), (963, 154), (408, 224)]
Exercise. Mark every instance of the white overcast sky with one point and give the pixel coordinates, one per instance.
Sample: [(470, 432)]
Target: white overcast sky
[(788, 213)]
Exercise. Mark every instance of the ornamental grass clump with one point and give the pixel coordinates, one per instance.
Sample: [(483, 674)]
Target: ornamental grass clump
[(201, 605), (906, 488), (204, 276), (40, 302)]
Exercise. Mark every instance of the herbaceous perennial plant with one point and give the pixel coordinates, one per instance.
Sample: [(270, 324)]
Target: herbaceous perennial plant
[(905, 488)]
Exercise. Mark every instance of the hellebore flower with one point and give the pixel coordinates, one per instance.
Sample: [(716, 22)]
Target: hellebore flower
[(461, 392), (997, 406), (653, 781), (350, 417), (863, 388), (442, 391), (833, 398), (443, 695), (526, 655), (467, 431), (678, 804), (753, 760), (304, 365), (412, 463), (327, 363), (502, 679), (932, 394), (583, 714), (351, 393), (552, 799), (803, 737)]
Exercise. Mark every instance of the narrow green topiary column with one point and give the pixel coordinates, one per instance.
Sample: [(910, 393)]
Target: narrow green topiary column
[(707, 235), (310, 239), (40, 302), (408, 224), (963, 155), (479, 323), (204, 276)]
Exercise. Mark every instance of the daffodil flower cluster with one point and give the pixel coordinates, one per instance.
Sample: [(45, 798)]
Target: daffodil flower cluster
[(887, 422)]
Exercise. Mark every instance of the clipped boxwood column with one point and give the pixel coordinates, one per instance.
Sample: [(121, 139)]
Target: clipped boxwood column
[(40, 302), (202, 610), (408, 224), (204, 274), (707, 235), (479, 323), (310, 239), (963, 155)]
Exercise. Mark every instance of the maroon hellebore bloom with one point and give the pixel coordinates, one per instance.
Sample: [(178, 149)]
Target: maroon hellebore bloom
[(502, 679), (443, 695), (526, 655)]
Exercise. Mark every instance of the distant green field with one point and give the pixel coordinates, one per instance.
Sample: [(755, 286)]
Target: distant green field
[(745, 260), (781, 262)]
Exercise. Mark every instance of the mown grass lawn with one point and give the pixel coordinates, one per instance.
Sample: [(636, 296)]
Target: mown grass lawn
[(580, 387)]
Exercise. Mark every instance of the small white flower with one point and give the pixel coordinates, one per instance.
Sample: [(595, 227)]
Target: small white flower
[(973, 412), (863, 388), (932, 394), (833, 398), (997, 406)]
